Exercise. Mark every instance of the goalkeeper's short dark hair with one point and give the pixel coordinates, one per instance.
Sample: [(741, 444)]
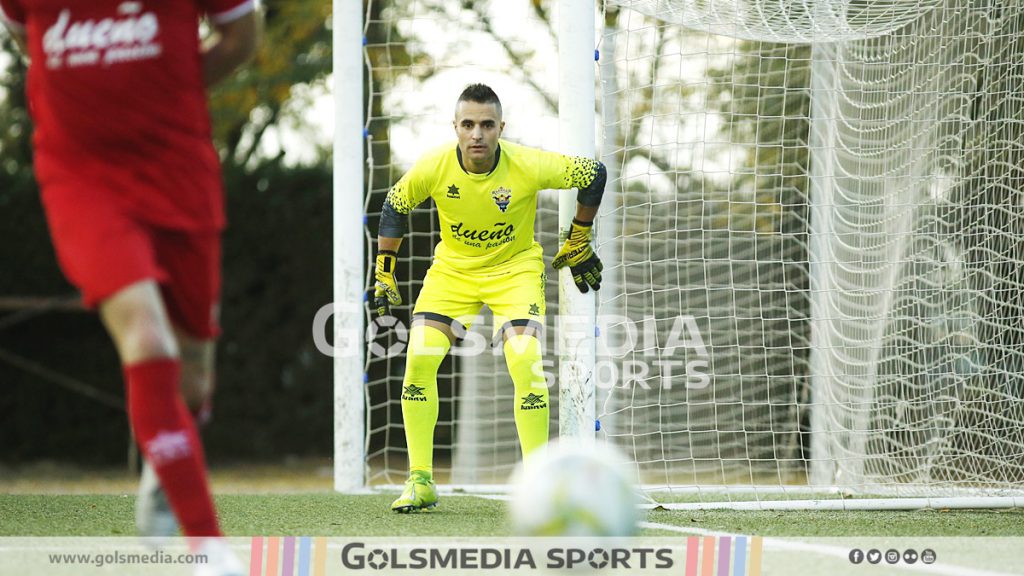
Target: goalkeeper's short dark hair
[(481, 94)]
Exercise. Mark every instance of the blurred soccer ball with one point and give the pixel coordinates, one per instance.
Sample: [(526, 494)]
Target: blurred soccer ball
[(574, 490)]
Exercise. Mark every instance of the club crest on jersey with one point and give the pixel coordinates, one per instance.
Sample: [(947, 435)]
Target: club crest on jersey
[(502, 197)]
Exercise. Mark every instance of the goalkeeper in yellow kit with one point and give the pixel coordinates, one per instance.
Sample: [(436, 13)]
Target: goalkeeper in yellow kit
[(485, 190)]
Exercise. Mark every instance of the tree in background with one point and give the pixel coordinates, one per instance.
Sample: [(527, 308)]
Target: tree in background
[(277, 247), (278, 273)]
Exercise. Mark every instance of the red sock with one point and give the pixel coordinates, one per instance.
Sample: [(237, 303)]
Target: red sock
[(167, 435)]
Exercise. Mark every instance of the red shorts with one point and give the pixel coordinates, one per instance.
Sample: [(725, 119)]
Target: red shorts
[(101, 249)]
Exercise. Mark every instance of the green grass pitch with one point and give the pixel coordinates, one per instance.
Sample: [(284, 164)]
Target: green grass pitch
[(327, 514)]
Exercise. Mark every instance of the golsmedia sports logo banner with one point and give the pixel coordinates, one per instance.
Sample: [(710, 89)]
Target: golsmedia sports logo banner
[(739, 556), (683, 555)]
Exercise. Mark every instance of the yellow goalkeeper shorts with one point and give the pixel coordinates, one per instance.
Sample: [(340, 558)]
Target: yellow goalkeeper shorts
[(513, 290)]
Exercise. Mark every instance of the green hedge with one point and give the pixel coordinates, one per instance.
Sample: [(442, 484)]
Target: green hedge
[(274, 394)]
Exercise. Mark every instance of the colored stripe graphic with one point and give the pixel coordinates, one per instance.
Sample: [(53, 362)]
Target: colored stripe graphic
[(273, 549), (692, 553), (304, 547), (723, 555), (707, 565), (739, 557), (756, 546), (256, 556), (320, 557), (288, 560)]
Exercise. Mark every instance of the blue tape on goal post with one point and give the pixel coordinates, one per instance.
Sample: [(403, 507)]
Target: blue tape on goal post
[(597, 425), (597, 55)]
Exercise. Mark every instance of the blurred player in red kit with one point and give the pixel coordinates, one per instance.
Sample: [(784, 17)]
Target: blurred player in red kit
[(132, 191)]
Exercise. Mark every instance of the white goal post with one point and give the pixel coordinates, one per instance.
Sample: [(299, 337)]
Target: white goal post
[(348, 241), (813, 236), (576, 328)]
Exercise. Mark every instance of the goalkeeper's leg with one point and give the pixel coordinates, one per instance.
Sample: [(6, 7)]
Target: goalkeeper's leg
[(516, 296), (429, 342), (428, 346), (525, 365)]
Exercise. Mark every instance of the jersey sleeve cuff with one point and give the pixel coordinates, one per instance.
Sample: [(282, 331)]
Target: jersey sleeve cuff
[(14, 25), (235, 13)]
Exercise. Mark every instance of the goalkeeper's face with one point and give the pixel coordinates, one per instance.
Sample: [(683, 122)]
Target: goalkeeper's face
[(478, 127)]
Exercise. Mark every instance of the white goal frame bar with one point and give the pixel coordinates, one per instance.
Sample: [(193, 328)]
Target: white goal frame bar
[(349, 258), (577, 320)]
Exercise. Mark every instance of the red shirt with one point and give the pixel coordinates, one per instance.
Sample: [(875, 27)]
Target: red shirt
[(116, 92)]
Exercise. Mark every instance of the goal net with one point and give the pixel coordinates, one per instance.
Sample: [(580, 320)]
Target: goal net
[(813, 234)]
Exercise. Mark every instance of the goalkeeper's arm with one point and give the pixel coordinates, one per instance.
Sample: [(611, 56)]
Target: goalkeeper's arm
[(577, 252), (389, 240)]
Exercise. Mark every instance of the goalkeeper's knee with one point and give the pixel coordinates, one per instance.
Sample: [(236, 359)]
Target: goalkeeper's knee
[(525, 362), (427, 348)]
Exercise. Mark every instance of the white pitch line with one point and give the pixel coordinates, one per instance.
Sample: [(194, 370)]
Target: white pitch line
[(937, 568), (943, 569)]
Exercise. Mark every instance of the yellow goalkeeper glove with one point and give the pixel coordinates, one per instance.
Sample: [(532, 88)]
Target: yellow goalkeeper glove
[(385, 290), (579, 256)]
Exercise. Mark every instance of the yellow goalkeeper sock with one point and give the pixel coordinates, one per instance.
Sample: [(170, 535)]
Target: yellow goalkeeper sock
[(523, 357), (427, 348)]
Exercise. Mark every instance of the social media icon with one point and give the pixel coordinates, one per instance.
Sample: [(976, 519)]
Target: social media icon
[(856, 556), (892, 556), (874, 556), (928, 556), (910, 556)]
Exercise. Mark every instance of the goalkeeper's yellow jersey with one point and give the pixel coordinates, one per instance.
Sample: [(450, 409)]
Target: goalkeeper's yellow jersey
[(487, 219)]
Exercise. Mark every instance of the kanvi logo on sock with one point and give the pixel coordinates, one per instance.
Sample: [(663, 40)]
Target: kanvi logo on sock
[(414, 393), (533, 402)]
